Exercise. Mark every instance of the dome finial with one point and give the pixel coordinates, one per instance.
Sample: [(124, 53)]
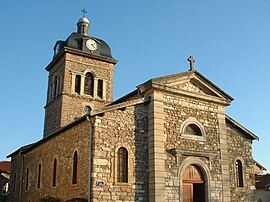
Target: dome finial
[(83, 24)]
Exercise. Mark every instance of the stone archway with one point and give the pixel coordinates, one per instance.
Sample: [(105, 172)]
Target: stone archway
[(193, 184), (194, 177)]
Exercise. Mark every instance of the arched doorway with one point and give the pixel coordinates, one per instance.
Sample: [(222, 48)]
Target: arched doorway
[(193, 183)]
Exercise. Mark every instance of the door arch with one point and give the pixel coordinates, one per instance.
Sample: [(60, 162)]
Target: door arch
[(193, 184), (194, 177)]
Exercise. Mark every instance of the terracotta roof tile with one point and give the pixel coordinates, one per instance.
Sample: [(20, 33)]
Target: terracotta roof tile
[(5, 166)]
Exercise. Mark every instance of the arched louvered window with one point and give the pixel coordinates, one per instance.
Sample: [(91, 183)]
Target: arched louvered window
[(193, 129), (100, 89), (78, 84), (54, 172), (122, 165), (75, 168), (39, 176), (89, 84), (239, 173)]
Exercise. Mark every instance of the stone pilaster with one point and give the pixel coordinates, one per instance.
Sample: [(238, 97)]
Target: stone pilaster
[(156, 148), (224, 156)]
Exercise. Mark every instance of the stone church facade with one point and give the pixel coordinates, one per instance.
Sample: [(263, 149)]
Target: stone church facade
[(168, 140)]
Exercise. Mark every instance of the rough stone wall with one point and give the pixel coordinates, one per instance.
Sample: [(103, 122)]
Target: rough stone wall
[(53, 116), (53, 108), (177, 110), (240, 147), (102, 70), (16, 171), (125, 127), (73, 104), (64, 110), (62, 148)]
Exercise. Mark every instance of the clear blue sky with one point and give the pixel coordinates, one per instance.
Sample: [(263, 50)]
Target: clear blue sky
[(229, 39)]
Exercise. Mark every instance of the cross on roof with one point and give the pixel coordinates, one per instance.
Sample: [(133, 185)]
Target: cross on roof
[(191, 63), (84, 11)]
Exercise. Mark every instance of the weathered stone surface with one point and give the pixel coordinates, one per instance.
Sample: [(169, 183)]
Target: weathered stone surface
[(240, 148), (62, 148)]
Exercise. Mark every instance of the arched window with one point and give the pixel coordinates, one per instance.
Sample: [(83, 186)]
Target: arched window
[(89, 84), (239, 173), (193, 129), (75, 168), (100, 88), (39, 176), (54, 172), (122, 165), (78, 84)]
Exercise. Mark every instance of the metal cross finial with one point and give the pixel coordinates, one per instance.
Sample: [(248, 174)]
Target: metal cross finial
[(191, 63), (84, 11)]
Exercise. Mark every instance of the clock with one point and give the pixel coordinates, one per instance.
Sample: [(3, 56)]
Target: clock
[(91, 44)]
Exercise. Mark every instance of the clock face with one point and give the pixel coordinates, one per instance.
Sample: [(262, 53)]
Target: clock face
[(91, 44)]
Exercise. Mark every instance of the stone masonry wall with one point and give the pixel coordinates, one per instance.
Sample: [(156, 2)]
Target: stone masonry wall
[(53, 108), (62, 148), (73, 104), (240, 147), (177, 110), (126, 127), (15, 177)]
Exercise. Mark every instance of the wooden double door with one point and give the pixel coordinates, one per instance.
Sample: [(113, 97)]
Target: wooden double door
[(193, 185)]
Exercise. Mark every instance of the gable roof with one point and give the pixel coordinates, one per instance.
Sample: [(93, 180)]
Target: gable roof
[(242, 128), (211, 86), (259, 165)]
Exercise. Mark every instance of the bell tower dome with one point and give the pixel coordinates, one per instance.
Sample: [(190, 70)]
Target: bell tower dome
[(80, 78)]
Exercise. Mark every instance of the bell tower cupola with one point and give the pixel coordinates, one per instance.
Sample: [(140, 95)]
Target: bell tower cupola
[(80, 77), (83, 26)]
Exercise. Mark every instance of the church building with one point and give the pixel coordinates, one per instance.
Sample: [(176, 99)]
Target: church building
[(168, 140)]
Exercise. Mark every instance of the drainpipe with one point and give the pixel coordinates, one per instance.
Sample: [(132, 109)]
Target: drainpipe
[(91, 133)]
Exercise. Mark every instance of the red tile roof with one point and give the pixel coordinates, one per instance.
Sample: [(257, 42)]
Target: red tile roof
[(5, 166)]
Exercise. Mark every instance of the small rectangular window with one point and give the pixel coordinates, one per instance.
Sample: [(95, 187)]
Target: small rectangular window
[(27, 179), (54, 173), (39, 176), (100, 88), (78, 84)]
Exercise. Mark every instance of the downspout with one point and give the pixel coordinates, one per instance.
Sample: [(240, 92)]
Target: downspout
[(91, 133)]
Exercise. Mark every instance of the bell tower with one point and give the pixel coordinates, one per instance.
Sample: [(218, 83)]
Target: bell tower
[(80, 78)]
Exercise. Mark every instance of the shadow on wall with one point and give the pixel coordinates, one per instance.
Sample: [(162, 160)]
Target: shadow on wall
[(141, 152)]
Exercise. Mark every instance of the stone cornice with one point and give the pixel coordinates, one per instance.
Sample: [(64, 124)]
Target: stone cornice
[(80, 53)]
